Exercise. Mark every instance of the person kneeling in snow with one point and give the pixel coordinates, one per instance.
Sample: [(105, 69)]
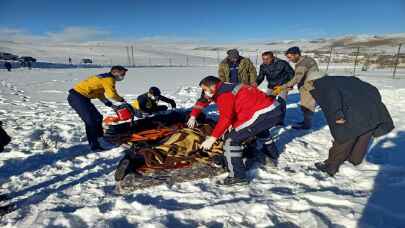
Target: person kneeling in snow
[(148, 102), (96, 87), (355, 113), (250, 113)]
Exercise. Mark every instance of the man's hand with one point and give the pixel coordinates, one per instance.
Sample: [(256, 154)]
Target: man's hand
[(286, 88), (340, 121), (173, 104), (207, 144), (191, 122)]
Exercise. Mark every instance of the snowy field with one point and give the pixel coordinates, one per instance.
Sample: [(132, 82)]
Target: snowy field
[(56, 182)]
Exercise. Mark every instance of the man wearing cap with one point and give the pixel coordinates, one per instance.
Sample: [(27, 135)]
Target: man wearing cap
[(237, 69), (306, 71), (101, 86), (148, 102)]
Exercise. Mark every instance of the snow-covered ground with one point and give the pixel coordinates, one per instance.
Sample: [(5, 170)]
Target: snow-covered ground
[(56, 182)]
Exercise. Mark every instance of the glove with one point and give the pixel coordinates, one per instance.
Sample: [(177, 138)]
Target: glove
[(191, 122), (277, 90), (207, 144)]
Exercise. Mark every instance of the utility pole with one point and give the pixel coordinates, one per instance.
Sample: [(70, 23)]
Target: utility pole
[(355, 61), (257, 57), (170, 61), (186, 60), (330, 59), (133, 59), (150, 61), (397, 61), (129, 59)]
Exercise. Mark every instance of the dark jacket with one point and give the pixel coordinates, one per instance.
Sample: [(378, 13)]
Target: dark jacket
[(4, 138), (146, 104), (356, 101), (278, 73)]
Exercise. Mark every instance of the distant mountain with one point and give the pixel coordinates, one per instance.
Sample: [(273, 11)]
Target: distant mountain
[(179, 52)]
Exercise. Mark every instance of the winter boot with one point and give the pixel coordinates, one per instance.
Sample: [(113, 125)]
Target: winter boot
[(232, 181), (122, 169), (97, 148), (6, 209), (324, 168), (268, 148)]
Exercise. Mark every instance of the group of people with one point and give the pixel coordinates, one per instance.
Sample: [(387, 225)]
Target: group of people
[(353, 108)]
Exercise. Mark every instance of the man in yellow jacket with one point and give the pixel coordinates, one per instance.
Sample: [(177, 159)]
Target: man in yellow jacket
[(100, 87)]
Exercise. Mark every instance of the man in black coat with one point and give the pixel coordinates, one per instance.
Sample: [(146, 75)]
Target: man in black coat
[(355, 113), (277, 72)]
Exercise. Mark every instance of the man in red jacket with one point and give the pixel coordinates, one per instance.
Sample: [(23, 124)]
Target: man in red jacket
[(244, 109)]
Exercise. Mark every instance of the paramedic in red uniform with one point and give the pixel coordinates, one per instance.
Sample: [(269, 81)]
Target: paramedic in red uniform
[(247, 113)]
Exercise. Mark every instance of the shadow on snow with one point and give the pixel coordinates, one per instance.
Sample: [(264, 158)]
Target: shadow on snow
[(385, 206)]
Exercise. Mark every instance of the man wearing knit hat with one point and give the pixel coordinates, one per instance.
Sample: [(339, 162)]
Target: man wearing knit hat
[(237, 69)]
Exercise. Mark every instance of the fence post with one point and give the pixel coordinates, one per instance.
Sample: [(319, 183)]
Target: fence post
[(329, 60), (355, 61), (129, 59), (133, 59), (396, 61)]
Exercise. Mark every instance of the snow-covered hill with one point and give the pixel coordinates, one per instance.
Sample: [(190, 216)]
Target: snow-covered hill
[(178, 52), (56, 182)]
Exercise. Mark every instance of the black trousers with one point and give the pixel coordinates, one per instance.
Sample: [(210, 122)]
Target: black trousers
[(91, 117), (353, 151)]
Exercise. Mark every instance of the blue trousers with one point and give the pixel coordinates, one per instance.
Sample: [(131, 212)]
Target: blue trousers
[(91, 117), (257, 130)]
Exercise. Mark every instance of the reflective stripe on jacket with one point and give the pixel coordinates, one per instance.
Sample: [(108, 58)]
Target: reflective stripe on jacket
[(237, 104)]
